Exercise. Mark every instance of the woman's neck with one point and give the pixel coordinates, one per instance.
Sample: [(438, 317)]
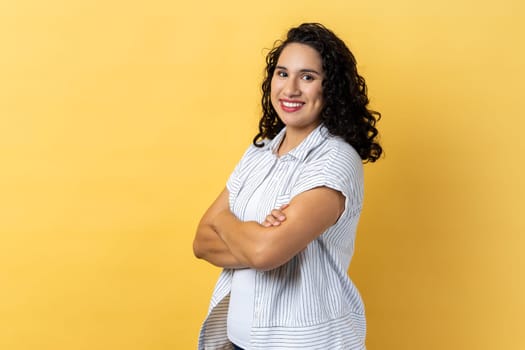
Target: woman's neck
[(292, 139)]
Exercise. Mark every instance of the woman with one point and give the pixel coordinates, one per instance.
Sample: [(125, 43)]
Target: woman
[(283, 229)]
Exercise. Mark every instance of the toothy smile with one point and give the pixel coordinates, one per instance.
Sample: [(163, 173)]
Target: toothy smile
[(291, 104)]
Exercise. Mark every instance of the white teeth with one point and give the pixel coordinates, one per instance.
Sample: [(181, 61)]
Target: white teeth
[(292, 104)]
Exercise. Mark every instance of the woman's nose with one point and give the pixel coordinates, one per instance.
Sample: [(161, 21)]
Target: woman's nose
[(291, 88)]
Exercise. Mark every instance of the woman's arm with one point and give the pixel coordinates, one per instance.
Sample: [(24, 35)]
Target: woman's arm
[(266, 247), (208, 245)]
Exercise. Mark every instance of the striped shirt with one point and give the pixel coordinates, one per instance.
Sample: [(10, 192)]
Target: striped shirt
[(309, 302)]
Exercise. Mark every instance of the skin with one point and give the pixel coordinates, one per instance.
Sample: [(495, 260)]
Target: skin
[(275, 217), (224, 240), (298, 77)]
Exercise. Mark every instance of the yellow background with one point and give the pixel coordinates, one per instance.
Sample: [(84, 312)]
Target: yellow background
[(121, 120)]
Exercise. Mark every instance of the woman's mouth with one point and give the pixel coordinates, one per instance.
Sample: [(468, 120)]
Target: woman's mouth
[(291, 106)]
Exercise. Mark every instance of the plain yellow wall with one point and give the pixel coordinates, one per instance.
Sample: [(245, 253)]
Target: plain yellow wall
[(120, 122)]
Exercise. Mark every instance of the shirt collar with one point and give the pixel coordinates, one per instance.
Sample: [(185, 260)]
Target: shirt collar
[(300, 152)]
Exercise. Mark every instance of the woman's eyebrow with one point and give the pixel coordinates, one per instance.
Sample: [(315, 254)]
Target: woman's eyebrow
[(304, 70)]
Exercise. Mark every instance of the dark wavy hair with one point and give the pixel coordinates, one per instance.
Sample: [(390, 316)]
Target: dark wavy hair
[(345, 111)]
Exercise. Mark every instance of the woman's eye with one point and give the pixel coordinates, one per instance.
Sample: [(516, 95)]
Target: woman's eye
[(282, 74), (308, 77)]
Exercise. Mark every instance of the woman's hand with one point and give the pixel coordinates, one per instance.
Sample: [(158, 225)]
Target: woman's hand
[(275, 217), (265, 247)]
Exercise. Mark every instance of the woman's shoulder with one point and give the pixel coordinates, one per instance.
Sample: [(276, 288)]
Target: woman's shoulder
[(337, 147), (252, 149), (253, 152)]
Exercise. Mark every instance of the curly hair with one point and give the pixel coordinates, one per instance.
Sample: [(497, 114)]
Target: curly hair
[(345, 111)]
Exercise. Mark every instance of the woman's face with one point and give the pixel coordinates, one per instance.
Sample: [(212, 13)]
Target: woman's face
[(296, 88)]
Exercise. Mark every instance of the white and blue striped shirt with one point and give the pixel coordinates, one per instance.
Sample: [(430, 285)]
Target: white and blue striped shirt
[(309, 302)]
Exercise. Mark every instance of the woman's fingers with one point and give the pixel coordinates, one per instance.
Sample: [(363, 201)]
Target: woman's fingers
[(278, 214), (275, 217), (270, 221)]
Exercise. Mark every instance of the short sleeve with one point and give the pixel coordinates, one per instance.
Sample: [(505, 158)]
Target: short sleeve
[(234, 181), (339, 168)]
